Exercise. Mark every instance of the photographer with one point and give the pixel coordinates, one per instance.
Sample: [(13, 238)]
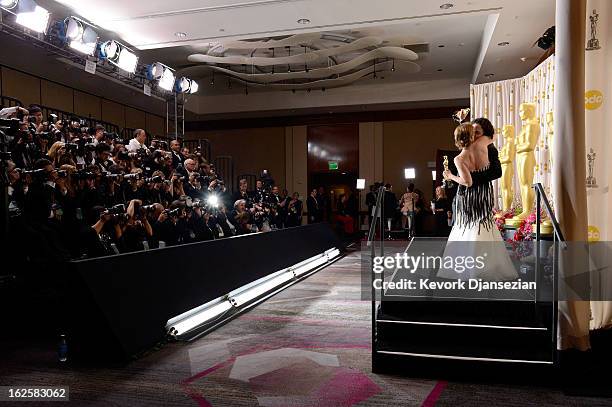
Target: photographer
[(41, 214), (171, 226), (241, 218), (135, 231), (177, 156), (56, 151), (103, 160), (138, 142)]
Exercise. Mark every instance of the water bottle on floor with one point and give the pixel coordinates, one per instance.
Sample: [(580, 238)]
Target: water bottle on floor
[(62, 351)]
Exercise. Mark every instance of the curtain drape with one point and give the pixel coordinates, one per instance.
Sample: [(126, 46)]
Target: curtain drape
[(499, 102), (598, 122), (569, 170)]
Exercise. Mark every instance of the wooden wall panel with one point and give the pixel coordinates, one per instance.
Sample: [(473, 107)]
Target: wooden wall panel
[(86, 105), (156, 125), (134, 119), (412, 143), (113, 112), (56, 96), (20, 86), (252, 150)]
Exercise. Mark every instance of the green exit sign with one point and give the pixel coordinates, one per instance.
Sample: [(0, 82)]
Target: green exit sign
[(333, 165)]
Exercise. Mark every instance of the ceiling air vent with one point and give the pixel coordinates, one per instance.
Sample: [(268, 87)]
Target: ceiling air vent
[(418, 48)]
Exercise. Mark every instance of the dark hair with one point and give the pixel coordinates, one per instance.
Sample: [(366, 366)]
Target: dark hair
[(487, 128), (42, 163), (100, 127), (411, 187), (387, 186), (102, 147), (34, 109), (464, 135)]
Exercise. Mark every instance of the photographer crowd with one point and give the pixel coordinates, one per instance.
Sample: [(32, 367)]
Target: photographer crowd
[(78, 192)]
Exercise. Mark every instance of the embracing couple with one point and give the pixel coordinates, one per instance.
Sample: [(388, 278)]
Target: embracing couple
[(477, 166)]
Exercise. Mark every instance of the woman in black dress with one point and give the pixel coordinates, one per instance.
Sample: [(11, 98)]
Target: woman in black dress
[(442, 211)]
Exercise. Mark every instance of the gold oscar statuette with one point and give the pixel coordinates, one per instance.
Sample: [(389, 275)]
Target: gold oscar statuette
[(446, 183)]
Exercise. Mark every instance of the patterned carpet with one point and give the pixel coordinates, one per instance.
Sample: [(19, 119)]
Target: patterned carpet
[(307, 346)]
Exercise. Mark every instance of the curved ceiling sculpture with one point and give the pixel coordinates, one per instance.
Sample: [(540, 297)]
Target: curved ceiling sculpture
[(303, 61)]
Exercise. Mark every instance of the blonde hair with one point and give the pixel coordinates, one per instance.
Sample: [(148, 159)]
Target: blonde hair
[(464, 135), (52, 153)]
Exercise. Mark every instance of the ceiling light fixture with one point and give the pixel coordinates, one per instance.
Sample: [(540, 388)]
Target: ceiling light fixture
[(186, 85), (523, 59), (180, 34), (80, 36), (29, 14), (162, 73), (446, 6), (303, 21), (8, 4), (119, 55), (440, 69), (503, 43), (441, 46), (489, 75)]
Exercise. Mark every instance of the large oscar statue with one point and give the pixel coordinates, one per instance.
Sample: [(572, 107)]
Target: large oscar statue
[(506, 158), (525, 160)]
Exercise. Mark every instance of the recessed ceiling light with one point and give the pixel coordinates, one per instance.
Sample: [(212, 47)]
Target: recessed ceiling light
[(461, 44), (440, 69), (503, 43), (489, 75), (303, 21), (446, 6), (441, 46), (222, 29), (180, 34)]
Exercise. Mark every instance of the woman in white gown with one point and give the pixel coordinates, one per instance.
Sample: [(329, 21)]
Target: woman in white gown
[(474, 232)]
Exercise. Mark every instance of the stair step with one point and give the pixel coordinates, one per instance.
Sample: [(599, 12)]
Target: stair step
[(477, 351), (494, 313)]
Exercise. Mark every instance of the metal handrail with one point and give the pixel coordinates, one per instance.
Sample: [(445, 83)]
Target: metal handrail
[(557, 236), (377, 217), (541, 196)]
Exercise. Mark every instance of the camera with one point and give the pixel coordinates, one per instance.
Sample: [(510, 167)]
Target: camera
[(116, 209), (154, 180), (62, 173), (173, 212), (108, 175), (148, 208), (83, 175), (135, 176), (159, 144), (123, 155)]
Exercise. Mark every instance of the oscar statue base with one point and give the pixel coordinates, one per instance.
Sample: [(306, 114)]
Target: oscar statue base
[(513, 222), (545, 228), (593, 44)]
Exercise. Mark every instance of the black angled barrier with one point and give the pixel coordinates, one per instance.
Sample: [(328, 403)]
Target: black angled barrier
[(120, 304)]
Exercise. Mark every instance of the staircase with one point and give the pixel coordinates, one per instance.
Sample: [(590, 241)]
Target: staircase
[(434, 335)]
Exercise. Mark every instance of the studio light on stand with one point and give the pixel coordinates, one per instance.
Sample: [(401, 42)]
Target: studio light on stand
[(28, 14), (163, 74), (119, 55), (80, 35)]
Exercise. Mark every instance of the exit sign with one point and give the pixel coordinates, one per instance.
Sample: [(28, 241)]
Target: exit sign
[(333, 165)]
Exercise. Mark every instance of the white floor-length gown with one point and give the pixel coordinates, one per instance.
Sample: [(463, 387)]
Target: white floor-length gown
[(474, 233)]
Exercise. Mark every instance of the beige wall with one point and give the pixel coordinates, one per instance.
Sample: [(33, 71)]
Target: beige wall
[(30, 89), (20, 86), (412, 143), (252, 150)]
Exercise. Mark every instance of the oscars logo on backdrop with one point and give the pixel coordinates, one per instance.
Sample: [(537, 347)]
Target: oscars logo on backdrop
[(593, 234), (591, 181), (593, 99), (593, 42)]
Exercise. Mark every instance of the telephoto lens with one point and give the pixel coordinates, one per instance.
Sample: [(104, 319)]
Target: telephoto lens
[(134, 176)]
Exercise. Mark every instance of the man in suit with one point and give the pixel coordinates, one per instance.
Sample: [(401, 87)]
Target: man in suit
[(312, 205), (177, 156), (484, 128)]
